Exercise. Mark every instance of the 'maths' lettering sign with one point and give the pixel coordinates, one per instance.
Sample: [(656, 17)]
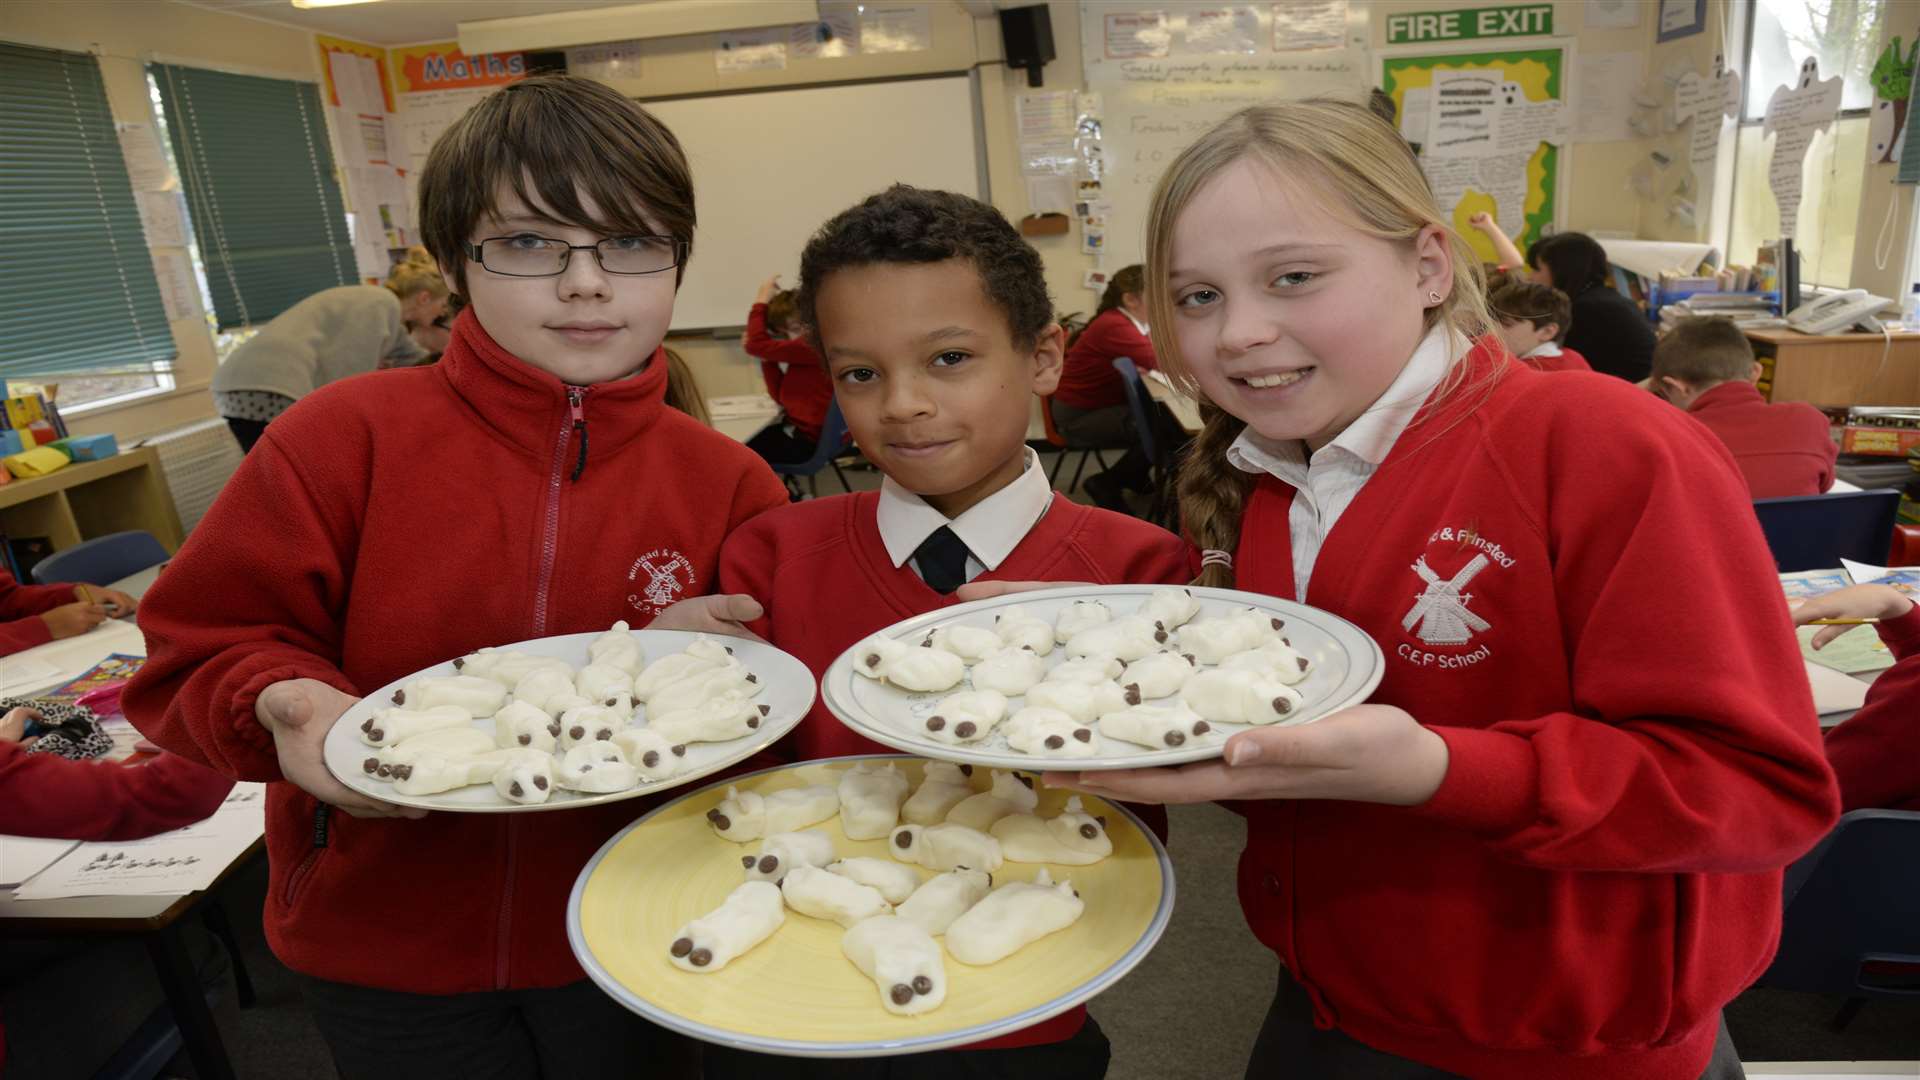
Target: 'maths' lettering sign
[(1524, 20)]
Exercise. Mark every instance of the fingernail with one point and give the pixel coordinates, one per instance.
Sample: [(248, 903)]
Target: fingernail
[(1243, 752)]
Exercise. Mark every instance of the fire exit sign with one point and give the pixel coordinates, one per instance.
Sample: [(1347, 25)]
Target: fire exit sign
[(1523, 20)]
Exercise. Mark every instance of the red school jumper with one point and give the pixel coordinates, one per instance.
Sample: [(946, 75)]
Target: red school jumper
[(823, 574), (1564, 360), (395, 520), (20, 609), (1087, 378), (1602, 643), (803, 390), (1876, 751), (1783, 449)]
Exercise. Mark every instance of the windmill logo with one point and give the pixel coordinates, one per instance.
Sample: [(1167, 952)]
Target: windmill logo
[(1441, 612)]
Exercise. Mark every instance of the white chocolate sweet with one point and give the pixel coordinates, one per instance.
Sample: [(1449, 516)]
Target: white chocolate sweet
[(505, 666), (925, 670), (903, 961), (870, 798), (747, 815), (970, 643), (1159, 728), (1077, 616), (748, 916), (1087, 669), (942, 787), (1275, 659), (702, 687), (1084, 702), (724, 718), (965, 717), (431, 774), (1126, 639), (589, 723), (1012, 917), (541, 686), (616, 648), (1011, 793), (702, 655), (1073, 838), (1171, 608), (782, 853), (813, 892), (525, 777), (596, 767), (450, 742), (558, 704), (1157, 676), (1260, 625), (481, 697), (654, 757), (1210, 641), (1010, 671), (598, 682), (945, 847), (1022, 629), (871, 657), (944, 897), (388, 726), (895, 881), (519, 725), (1045, 732), (1239, 697)]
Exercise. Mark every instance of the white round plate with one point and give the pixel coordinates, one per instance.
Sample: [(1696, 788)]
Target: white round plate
[(1346, 667), (788, 696)]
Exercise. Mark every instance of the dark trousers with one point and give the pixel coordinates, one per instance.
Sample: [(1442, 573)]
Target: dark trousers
[(1083, 1057), (247, 431), (570, 1033), (1290, 1046), (780, 443)]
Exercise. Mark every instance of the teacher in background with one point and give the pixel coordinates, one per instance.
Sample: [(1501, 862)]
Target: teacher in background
[(1607, 328), (330, 335)]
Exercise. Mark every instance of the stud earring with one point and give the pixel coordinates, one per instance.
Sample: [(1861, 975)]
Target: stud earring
[(1433, 298)]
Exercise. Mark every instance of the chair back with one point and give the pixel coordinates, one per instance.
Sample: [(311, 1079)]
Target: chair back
[(102, 560), (1046, 419), (833, 438), (1139, 404), (1851, 910), (1814, 532)]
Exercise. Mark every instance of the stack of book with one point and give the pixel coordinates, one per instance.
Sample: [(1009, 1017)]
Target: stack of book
[(27, 421)]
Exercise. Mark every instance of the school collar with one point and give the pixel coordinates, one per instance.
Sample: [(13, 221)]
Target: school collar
[(529, 408), (1372, 434), (991, 528), (1137, 324), (1545, 348), (1731, 392)]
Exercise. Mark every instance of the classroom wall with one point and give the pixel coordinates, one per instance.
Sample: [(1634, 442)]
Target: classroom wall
[(125, 34)]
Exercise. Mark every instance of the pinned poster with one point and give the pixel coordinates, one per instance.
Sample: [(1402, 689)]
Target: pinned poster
[(179, 288), (1606, 100), (901, 28), (617, 60), (163, 216), (1309, 24), (1234, 29), (1138, 35), (754, 50), (147, 167), (835, 35), (1046, 114), (1794, 113), (1892, 89), (1708, 101)]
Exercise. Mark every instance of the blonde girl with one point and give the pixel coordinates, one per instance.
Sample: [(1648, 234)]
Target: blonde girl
[(1550, 845)]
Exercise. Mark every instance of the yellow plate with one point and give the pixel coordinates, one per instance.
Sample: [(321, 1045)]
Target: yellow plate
[(796, 994)]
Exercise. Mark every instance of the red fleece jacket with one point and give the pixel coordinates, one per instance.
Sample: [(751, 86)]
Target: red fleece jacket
[(1784, 449), (803, 390), (20, 606), (392, 521), (1876, 751), (1087, 378)]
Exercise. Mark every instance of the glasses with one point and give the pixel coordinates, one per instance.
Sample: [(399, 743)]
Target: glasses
[(526, 255)]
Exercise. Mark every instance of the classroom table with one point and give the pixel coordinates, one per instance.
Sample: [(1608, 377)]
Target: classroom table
[(1184, 408), (741, 416)]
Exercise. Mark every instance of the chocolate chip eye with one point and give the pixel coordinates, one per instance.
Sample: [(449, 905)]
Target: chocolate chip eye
[(399, 697), (1055, 742), (516, 790), (371, 765), (680, 750), (1089, 831), (1084, 735), (526, 740), (722, 822), (681, 947), (576, 731), (1201, 727), (650, 759), (1174, 738), (936, 723), (540, 782), (768, 864), (922, 984), (901, 993), (903, 839), (965, 729), (378, 733), (1282, 705), (703, 957), (746, 861)]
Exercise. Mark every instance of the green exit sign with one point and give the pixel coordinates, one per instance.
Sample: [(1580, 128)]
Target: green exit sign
[(1524, 20)]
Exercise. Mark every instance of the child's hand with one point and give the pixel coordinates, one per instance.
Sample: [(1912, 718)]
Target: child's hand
[(72, 620), (984, 590), (1369, 753), (299, 712), (13, 726), (767, 289), (712, 615), (1482, 221), (1854, 602), (118, 604)]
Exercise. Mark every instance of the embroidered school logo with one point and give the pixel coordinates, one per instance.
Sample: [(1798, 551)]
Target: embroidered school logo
[(662, 578), (1440, 614)]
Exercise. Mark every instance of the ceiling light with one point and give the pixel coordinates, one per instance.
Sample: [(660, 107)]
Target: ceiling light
[(329, 3)]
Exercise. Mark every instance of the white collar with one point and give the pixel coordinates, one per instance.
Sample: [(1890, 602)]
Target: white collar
[(1373, 433), (1545, 348), (991, 528), (1138, 325)]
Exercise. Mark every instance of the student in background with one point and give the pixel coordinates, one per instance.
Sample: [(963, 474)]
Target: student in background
[(1090, 406), (1558, 762), (44, 795), (537, 455), (36, 614), (1706, 367), (1608, 329), (683, 391), (1531, 320), (794, 375), (328, 336), (934, 318), (1876, 751)]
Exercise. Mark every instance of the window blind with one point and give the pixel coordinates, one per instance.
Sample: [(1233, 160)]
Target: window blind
[(77, 291), (258, 175)]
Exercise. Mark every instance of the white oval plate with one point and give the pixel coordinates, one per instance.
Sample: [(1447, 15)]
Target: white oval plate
[(788, 696), (1346, 667)]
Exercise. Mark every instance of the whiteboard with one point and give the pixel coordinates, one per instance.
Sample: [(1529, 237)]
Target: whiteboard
[(770, 168)]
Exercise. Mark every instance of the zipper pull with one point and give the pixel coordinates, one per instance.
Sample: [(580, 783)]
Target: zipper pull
[(575, 398), (320, 815)]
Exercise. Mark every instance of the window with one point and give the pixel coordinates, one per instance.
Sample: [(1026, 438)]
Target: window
[(77, 290), (1844, 37), (266, 214)]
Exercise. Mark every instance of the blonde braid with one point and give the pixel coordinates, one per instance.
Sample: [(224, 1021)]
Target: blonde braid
[(1213, 493)]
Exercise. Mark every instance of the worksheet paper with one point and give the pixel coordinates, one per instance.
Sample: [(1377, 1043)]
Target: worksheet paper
[(182, 861)]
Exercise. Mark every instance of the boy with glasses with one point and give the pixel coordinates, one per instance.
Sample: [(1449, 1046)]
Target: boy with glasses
[(532, 483)]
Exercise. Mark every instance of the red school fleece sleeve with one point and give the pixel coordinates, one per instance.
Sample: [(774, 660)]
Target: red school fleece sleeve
[(20, 608), (1876, 751), (44, 795)]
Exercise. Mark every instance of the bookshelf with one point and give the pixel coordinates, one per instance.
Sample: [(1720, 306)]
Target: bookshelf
[(93, 498)]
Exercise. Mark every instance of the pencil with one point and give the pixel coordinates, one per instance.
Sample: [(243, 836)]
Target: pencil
[(85, 594), (1840, 622)]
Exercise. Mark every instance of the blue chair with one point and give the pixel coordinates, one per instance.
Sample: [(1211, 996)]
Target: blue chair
[(1851, 913), (826, 454), (1813, 532), (102, 560), (1140, 405)]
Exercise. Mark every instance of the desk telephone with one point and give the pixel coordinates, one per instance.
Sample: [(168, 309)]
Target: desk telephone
[(1839, 313)]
